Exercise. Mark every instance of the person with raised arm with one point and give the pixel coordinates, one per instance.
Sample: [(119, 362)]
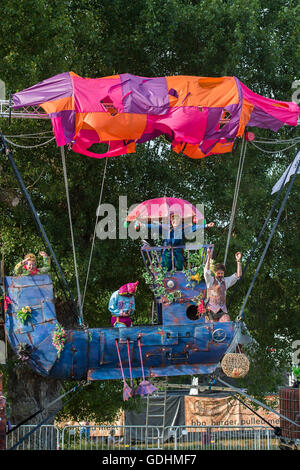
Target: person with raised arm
[(217, 286)]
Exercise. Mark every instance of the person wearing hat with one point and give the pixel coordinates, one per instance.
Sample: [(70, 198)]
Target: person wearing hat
[(175, 235), (28, 267), (217, 286), (122, 305)]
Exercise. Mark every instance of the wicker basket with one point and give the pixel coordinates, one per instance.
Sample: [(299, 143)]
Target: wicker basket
[(235, 365)]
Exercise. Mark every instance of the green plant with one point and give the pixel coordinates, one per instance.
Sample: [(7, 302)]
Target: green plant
[(156, 281), (296, 372), (195, 271), (24, 314)]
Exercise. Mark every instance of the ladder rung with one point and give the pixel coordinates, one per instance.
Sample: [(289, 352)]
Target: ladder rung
[(155, 416)]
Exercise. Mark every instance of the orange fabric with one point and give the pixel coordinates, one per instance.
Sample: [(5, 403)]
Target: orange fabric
[(122, 126), (194, 152), (63, 104), (246, 111), (203, 91)]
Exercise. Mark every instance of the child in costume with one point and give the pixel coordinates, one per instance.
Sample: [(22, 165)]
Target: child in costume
[(28, 267), (122, 305)]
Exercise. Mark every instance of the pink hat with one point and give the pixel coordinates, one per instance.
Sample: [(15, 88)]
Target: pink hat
[(129, 288)]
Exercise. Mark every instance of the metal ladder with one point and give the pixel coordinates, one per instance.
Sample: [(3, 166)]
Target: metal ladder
[(151, 414)]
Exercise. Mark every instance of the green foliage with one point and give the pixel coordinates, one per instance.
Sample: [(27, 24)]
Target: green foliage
[(24, 314), (255, 41), (296, 372)]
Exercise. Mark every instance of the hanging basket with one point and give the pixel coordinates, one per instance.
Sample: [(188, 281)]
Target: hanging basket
[(235, 365)]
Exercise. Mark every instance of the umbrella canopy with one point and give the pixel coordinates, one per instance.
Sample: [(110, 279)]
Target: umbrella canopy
[(163, 207)]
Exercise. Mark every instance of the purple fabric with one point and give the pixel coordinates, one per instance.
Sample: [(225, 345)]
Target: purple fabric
[(150, 136), (68, 123), (260, 118), (173, 92), (145, 388), (214, 116), (144, 95), (126, 320), (54, 88)]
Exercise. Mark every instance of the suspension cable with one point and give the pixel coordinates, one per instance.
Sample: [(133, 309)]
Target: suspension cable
[(259, 237), (276, 151), (62, 150), (241, 392), (50, 415), (94, 236), (269, 241), (29, 146), (49, 405), (276, 429), (236, 192)]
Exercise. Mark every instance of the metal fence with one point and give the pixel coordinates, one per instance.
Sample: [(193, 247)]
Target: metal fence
[(220, 438), (46, 437), (139, 438)]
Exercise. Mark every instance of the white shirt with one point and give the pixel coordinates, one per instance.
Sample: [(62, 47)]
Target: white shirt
[(229, 280)]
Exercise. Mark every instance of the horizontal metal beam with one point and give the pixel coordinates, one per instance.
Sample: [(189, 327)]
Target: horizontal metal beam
[(27, 112)]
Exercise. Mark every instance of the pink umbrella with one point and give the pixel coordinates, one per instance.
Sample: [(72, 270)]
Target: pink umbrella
[(163, 207)]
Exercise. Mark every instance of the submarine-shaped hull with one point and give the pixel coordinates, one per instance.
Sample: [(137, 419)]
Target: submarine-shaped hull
[(187, 347)]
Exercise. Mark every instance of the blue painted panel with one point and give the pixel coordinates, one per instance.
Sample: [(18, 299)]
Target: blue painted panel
[(202, 337)]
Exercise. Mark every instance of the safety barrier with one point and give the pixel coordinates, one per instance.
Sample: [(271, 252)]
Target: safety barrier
[(100, 437), (220, 438), (110, 437), (46, 437)]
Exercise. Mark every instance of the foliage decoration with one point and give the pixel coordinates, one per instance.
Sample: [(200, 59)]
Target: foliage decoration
[(24, 314), (59, 339)]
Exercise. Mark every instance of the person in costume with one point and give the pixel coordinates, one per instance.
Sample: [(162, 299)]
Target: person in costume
[(122, 305), (217, 287), (28, 267), (176, 234)]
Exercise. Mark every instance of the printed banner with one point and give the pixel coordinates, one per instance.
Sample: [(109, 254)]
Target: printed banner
[(225, 411)]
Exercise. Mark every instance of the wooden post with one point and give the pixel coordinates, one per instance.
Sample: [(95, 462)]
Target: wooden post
[(2, 418)]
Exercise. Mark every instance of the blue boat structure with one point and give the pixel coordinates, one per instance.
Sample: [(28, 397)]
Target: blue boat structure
[(180, 343)]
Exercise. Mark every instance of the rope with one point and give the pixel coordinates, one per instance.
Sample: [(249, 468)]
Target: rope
[(42, 422), (129, 363), (274, 151), (29, 146), (236, 192), (35, 136), (241, 392), (141, 358), (262, 140), (121, 367), (62, 150), (269, 241), (94, 236)]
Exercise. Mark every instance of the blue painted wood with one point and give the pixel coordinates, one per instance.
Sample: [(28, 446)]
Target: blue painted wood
[(179, 346)]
